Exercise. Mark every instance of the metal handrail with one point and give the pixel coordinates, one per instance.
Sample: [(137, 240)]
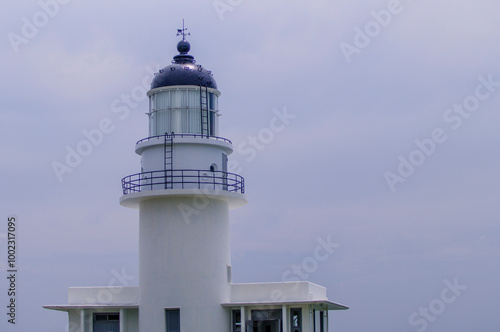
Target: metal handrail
[(186, 135), (183, 179)]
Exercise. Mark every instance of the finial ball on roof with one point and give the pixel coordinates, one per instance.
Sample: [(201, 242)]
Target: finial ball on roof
[(183, 46)]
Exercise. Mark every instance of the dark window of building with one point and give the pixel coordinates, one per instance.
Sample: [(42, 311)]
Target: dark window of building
[(266, 314), (236, 321), (266, 321), (296, 319), (114, 317), (106, 322), (173, 320), (314, 320)]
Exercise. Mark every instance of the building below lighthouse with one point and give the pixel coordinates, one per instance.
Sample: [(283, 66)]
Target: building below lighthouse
[(184, 192)]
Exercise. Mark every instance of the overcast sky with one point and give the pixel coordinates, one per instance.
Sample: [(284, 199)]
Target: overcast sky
[(388, 148)]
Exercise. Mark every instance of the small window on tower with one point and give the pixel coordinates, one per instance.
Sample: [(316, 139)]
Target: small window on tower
[(229, 274), (173, 320)]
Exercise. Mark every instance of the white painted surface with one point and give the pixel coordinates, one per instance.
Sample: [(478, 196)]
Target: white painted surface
[(74, 321), (317, 318), (277, 292), (195, 196), (82, 320), (188, 153), (103, 295), (123, 320), (179, 139), (243, 319), (284, 317), (182, 263)]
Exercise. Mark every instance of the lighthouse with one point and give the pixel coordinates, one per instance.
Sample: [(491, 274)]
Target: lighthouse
[(183, 192)]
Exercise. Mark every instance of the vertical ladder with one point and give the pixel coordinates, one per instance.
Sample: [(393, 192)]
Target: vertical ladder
[(169, 160), (224, 171), (204, 111)]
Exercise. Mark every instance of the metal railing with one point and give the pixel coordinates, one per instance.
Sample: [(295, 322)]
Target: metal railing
[(186, 135), (183, 179)]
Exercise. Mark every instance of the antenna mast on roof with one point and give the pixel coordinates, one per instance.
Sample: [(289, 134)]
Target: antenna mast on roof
[(183, 31)]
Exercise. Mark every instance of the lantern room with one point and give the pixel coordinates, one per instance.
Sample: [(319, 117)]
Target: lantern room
[(183, 98)]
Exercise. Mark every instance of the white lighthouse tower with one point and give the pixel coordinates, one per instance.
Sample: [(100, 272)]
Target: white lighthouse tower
[(183, 193)]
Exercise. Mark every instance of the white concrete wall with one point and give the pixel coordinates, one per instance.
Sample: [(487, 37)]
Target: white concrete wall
[(131, 320), (153, 158), (277, 292), (74, 321), (103, 295), (183, 256), (188, 153)]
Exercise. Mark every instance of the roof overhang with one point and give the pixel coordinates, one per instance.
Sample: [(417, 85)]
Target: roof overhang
[(68, 307), (320, 304)]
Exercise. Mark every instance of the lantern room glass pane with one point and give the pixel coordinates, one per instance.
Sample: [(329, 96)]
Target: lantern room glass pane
[(212, 122), (178, 111), (212, 101), (178, 98), (194, 122), (193, 98)]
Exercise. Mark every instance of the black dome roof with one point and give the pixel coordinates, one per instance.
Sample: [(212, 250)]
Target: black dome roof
[(183, 71)]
